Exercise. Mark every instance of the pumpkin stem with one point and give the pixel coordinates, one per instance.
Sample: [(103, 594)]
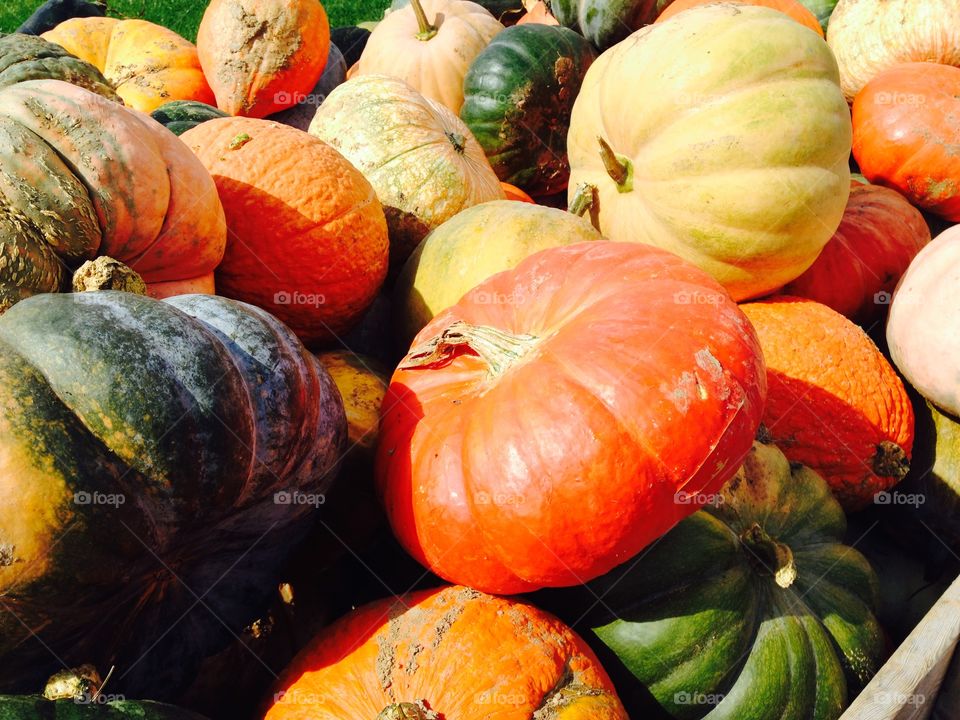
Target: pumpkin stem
[(497, 348), (891, 461), (105, 273), (768, 555), (74, 684), (583, 199), (618, 167), (408, 711), (458, 141), (427, 31)]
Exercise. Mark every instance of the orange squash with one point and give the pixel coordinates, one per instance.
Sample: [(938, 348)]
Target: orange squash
[(446, 653), (261, 56), (512, 192), (538, 12), (834, 403), (307, 237), (148, 64), (789, 7)]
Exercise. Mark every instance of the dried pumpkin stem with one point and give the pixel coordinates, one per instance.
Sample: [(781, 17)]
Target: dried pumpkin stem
[(105, 273), (770, 556), (618, 167), (497, 348), (427, 31), (407, 711), (891, 461), (583, 199)]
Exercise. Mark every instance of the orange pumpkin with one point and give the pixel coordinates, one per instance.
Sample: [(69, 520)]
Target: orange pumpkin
[(148, 64), (261, 56), (789, 7), (834, 403), (859, 267), (307, 237), (538, 12), (512, 192), (446, 653)]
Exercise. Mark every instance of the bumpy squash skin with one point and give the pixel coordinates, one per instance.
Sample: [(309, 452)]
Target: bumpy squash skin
[(698, 603), (518, 95), (21, 707), (27, 57), (179, 116), (606, 22), (197, 411), (792, 8)]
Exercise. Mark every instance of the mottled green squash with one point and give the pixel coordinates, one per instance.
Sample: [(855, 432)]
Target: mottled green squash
[(752, 607), (606, 22), (822, 10), (20, 707), (179, 116), (518, 95), (28, 57)]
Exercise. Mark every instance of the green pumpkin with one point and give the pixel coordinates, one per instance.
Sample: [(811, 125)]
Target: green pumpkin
[(178, 116), (28, 57), (606, 22), (21, 707), (158, 451), (752, 608), (822, 9), (518, 95)]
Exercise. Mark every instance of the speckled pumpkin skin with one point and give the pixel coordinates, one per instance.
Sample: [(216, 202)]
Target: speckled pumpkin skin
[(24, 707), (462, 654), (28, 57), (195, 411)]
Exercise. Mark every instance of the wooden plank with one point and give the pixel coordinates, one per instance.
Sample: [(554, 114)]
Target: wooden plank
[(947, 706), (907, 685)]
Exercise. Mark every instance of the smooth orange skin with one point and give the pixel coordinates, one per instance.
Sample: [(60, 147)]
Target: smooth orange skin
[(148, 64), (538, 13), (568, 463), (245, 62), (512, 192), (789, 7), (906, 128), (859, 267), (204, 285), (468, 656), (302, 223), (833, 397)]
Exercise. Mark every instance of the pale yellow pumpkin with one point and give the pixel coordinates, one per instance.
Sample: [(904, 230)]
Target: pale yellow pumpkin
[(869, 36), (430, 44), (421, 159), (730, 148)]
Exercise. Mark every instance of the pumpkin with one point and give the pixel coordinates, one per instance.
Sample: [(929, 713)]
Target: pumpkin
[(26, 707), (822, 10), (260, 55), (148, 64), (430, 44), (423, 162), (538, 12), (26, 57), (472, 246), (752, 607), (512, 192), (598, 358), (53, 12), (869, 37), (738, 162), (518, 95), (316, 258), (921, 334), (99, 180), (362, 382), (158, 450), (334, 74), (856, 273), (350, 40), (178, 116), (392, 659), (506, 11), (792, 8), (372, 335), (834, 403), (905, 125), (605, 23)]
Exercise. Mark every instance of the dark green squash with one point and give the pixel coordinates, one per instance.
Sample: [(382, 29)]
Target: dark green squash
[(752, 607), (178, 116), (159, 452), (350, 40), (26, 707), (606, 22), (518, 95), (28, 57)]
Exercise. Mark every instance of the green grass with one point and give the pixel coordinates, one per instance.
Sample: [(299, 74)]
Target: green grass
[(183, 16)]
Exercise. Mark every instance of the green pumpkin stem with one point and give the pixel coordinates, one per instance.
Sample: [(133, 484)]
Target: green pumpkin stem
[(768, 555), (427, 31), (583, 199), (407, 711), (618, 167), (497, 348)]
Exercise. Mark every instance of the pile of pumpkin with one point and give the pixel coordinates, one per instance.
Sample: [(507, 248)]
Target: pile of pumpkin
[(645, 449)]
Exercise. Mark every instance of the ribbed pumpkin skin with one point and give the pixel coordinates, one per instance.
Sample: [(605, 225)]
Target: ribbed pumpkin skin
[(434, 67), (27, 57), (181, 115), (921, 330), (698, 616), (834, 404), (518, 95), (421, 159), (197, 410), (315, 259), (258, 55), (740, 153), (906, 123), (791, 8), (111, 181), (869, 37), (23, 707), (148, 64), (606, 22), (472, 246), (403, 651), (859, 267), (632, 347)]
